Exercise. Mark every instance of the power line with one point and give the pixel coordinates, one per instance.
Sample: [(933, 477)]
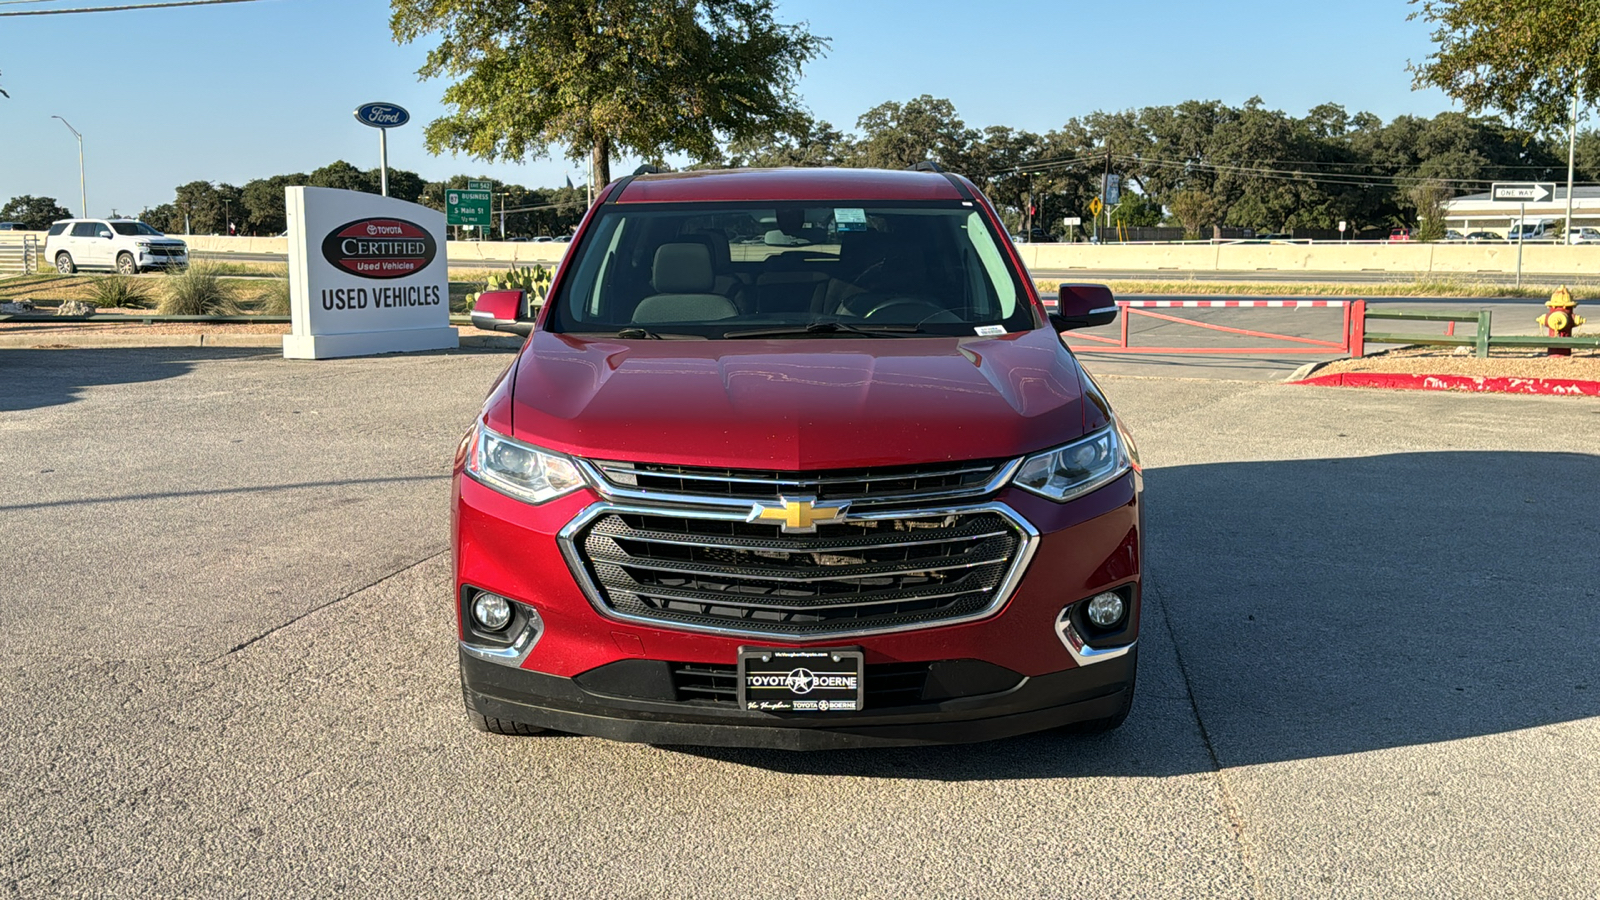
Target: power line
[(95, 9)]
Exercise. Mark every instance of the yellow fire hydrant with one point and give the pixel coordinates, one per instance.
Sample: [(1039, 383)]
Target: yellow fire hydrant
[(1561, 318)]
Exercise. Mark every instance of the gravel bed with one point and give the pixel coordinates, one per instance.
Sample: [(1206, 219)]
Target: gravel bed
[(1582, 365)]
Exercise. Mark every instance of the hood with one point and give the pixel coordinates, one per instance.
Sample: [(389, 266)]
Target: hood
[(796, 404)]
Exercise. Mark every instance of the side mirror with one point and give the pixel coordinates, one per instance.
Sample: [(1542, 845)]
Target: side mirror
[(1083, 306), (501, 311)]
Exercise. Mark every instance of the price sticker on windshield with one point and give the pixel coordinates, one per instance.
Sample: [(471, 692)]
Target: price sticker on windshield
[(850, 219)]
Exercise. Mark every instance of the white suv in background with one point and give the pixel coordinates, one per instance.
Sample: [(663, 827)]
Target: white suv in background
[(126, 245)]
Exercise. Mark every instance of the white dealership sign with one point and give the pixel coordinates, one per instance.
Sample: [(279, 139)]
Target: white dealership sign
[(367, 274)]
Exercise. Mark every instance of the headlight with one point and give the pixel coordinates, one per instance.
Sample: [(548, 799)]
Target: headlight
[(520, 470), (142, 245), (1076, 469)]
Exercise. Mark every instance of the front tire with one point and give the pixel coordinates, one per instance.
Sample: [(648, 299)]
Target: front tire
[(64, 263), (126, 264), (501, 726)]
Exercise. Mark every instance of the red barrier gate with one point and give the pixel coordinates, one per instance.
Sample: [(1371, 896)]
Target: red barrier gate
[(1352, 314)]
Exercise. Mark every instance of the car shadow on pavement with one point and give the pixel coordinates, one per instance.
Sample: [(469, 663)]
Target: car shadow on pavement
[(1324, 607), (37, 378)]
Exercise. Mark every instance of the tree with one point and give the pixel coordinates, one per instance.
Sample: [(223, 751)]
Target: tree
[(343, 176), (1195, 210), (1528, 58), (1428, 197), (644, 76), (263, 200), (896, 136), (35, 213)]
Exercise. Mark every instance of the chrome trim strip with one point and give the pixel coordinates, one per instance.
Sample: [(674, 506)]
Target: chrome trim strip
[(517, 653), (1003, 593), (606, 488), (729, 571), (1082, 653), (847, 548), (606, 466), (746, 604)]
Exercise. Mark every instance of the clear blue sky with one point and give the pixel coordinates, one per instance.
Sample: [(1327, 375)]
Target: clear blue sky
[(235, 92)]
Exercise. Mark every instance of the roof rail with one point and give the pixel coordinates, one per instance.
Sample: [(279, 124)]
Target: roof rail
[(924, 166), (647, 169)]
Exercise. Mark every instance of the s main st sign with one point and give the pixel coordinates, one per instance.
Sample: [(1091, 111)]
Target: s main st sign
[(367, 274)]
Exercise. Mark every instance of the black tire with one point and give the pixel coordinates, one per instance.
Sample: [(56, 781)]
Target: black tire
[(64, 263), (126, 264), (501, 726), (1115, 720)]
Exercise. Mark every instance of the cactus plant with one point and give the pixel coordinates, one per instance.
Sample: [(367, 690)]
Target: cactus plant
[(535, 280)]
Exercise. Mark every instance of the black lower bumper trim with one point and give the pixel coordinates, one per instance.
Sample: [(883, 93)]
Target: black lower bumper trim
[(1038, 703)]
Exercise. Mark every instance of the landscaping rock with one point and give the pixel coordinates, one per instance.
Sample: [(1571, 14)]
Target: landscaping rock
[(76, 308), (17, 308)]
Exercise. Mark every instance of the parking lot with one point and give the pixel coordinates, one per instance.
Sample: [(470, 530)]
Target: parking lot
[(227, 665)]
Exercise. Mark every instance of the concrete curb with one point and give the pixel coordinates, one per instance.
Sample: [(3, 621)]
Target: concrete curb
[(1479, 384), (59, 341)]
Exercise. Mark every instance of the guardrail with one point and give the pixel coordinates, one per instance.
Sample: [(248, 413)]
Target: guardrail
[(1482, 340), (1141, 307), (17, 254)]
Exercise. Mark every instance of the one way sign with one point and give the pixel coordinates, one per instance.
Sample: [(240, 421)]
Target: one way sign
[(1522, 191)]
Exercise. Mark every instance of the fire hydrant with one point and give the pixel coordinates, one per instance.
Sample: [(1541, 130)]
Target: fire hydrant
[(1561, 318)]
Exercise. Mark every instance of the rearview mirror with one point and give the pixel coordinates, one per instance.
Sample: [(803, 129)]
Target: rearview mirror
[(501, 311), (1083, 306)]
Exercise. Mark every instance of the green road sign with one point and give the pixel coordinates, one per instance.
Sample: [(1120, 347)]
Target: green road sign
[(480, 185), (467, 208)]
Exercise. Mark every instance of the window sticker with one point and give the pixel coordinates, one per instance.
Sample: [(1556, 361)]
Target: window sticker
[(850, 219), (990, 330)]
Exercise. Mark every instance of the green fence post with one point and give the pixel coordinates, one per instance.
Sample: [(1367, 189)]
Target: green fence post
[(1484, 317)]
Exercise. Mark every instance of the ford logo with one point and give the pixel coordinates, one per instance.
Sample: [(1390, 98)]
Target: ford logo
[(382, 115), (380, 248)]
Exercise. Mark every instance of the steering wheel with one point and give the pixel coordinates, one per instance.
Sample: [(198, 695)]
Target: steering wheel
[(912, 309)]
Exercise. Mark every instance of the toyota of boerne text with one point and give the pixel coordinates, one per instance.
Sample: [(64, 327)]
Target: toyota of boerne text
[(797, 459)]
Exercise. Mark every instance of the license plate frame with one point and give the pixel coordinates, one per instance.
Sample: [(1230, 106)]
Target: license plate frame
[(805, 681)]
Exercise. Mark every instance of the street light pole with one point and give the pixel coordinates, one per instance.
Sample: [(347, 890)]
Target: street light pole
[(1572, 155), (83, 191)]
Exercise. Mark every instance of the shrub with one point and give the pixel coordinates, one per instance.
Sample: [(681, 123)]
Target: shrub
[(197, 291), (121, 291), (535, 280), (274, 301)]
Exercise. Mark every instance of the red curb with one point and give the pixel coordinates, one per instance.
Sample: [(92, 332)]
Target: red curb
[(1471, 383)]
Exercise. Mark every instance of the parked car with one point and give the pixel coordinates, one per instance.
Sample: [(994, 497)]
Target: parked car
[(1584, 235), (1399, 235), (820, 497), (1477, 236), (125, 245), (13, 226), (1451, 234)]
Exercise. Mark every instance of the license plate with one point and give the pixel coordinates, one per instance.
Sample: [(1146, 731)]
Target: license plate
[(812, 681)]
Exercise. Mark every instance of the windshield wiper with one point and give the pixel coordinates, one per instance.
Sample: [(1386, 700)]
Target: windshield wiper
[(828, 328), (639, 333)]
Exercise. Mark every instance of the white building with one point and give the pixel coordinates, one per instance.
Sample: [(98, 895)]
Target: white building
[(1476, 212)]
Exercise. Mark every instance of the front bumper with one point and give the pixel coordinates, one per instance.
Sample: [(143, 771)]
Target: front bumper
[(564, 704), (162, 261), (1086, 546)]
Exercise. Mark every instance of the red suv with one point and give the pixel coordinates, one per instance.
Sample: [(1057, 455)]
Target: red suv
[(796, 459)]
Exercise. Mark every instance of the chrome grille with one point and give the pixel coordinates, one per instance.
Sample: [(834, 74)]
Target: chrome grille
[(881, 485), (856, 576)]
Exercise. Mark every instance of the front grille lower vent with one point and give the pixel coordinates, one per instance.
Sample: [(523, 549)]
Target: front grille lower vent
[(850, 577)]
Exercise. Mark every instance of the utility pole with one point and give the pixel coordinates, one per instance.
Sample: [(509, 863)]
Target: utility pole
[(1572, 155), (83, 191)]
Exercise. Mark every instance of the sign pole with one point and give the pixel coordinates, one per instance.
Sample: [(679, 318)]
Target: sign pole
[(1522, 226), (383, 159)]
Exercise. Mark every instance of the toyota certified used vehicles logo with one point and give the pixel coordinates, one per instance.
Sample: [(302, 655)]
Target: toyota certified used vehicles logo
[(380, 248)]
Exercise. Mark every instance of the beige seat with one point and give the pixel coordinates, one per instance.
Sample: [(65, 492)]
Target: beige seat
[(685, 284)]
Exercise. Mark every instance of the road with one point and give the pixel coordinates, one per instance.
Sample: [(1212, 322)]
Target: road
[(227, 666)]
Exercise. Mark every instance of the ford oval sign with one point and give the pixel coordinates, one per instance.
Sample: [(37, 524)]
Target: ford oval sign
[(382, 115), (380, 248)]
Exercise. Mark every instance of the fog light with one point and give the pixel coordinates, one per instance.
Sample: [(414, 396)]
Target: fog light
[(1105, 610), (492, 612)]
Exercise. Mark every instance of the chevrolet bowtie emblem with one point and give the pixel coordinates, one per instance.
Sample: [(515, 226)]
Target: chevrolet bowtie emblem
[(799, 515)]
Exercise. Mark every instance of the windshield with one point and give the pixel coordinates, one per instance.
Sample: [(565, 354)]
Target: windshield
[(134, 228), (843, 269)]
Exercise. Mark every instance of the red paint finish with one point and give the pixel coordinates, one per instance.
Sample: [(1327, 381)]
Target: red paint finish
[(798, 404), (788, 186)]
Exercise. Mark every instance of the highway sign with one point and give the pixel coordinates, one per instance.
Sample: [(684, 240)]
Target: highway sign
[(1072, 220), (1095, 206), (1522, 191), (480, 185), (467, 207)]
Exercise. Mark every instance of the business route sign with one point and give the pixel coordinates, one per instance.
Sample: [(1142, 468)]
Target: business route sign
[(1521, 192), (468, 207)]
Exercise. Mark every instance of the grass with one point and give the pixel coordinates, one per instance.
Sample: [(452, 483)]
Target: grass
[(121, 291), (198, 291), (254, 269), (273, 300)]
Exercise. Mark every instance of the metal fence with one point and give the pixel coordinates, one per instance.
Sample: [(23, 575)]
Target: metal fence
[(18, 254)]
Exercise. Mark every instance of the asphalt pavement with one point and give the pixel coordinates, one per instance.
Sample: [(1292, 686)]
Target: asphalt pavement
[(227, 665)]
